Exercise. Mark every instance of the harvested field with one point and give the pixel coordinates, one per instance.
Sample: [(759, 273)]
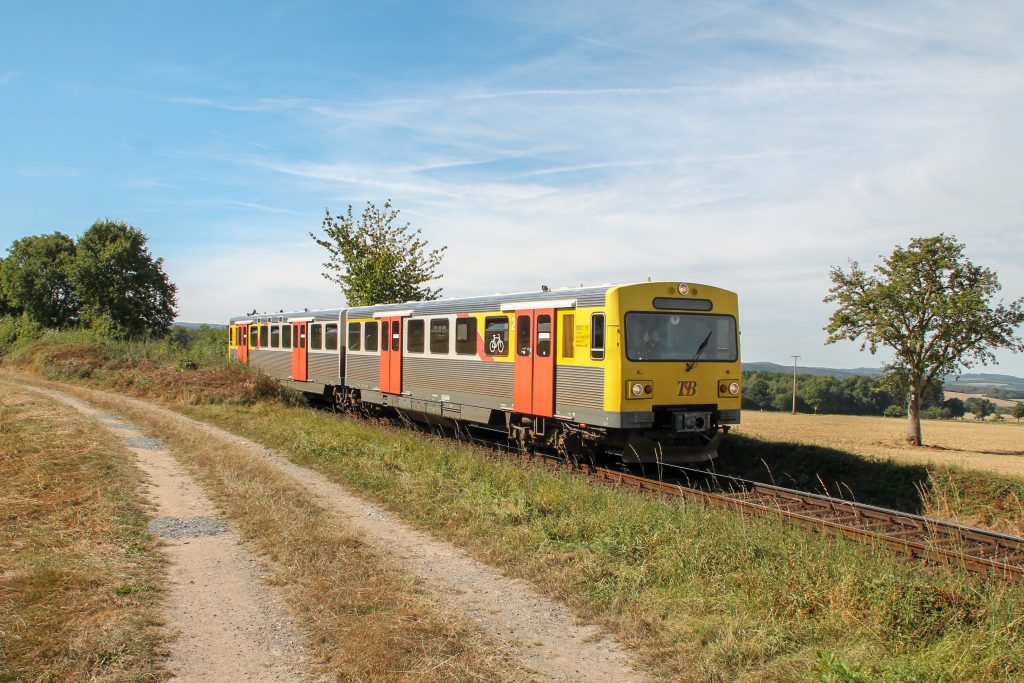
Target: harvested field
[(991, 447), (963, 396)]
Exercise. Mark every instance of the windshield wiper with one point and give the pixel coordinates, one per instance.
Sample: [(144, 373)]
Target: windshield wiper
[(700, 349)]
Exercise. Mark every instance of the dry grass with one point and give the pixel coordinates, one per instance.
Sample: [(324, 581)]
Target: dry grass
[(79, 576), (992, 447), (1001, 402), (369, 620)]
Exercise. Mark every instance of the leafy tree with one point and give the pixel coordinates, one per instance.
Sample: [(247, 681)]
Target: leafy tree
[(34, 279), (122, 288), (377, 260), (1018, 411), (932, 307), (955, 407), (979, 407)]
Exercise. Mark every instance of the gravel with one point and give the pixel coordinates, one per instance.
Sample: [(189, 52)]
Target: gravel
[(145, 442), (187, 527)]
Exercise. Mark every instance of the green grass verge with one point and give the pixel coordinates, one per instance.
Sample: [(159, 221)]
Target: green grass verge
[(707, 595)]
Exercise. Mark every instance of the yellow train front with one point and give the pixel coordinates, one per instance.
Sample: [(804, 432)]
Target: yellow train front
[(674, 387), (645, 372)]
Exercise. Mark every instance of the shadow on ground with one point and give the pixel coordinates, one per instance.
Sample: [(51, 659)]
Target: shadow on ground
[(889, 484)]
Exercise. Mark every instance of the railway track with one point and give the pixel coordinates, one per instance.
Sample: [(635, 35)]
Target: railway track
[(917, 537), (914, 536)]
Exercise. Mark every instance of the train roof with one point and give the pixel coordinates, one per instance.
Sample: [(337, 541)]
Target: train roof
[(285, 316), (580, 297)]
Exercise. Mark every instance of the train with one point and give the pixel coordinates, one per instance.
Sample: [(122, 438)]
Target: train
[(640, 373)]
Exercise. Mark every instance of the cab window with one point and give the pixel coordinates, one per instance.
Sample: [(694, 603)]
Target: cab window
[(597, 336)]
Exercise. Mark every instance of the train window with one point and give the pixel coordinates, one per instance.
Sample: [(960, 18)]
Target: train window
[(680, 337), (496, 336), (439, 335), (253, 336), (597, 336), (275, 336), (568, 330), (667, 304), (465, 336), (264, 336), (523, 335), (354, 337), (396, 335), (385, 335), (370, 336), (243, 336), (316, 336), (286, 336), (331, 337), (414, 337), (231, 335), (544, 334)]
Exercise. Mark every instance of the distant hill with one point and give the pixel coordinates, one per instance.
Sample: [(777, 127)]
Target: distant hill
[(817, 372), (1000, 386), (193, 326)]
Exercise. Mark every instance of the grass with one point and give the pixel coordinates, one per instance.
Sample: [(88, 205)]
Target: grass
[(367, 619), (702, 593), (79, 576)]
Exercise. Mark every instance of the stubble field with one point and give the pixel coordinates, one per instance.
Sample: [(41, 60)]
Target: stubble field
[(992, 447)]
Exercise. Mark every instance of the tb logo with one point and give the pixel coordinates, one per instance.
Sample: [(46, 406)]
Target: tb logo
[(687, 387)]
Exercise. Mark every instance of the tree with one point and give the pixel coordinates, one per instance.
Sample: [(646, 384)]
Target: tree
[(1018, 411), (979, 407), (932, 307), (120, 285), (376, 260), (34, 279)]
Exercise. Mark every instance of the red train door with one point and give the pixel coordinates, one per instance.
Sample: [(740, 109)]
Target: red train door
[(534, 372), (243, 344), (299, 352), (391, 355)]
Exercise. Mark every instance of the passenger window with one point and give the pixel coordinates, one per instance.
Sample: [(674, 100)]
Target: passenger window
[(439, 336), (523, 335), (264, 336), (275, 336), (286, 336), (385, 335), (414, 337), (568, 335), (465, 336), (331, 337), (496, 336), (370, 336), (543, 336), (316, 336), (597, 336), (354, 337), (253, 337)]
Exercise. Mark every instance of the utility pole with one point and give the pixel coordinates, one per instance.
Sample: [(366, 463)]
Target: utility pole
[(795, 358)]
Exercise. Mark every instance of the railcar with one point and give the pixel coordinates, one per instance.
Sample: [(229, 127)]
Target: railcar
[(646, 372)]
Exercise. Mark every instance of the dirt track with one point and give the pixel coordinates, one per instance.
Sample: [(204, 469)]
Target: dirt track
[(535, 630)]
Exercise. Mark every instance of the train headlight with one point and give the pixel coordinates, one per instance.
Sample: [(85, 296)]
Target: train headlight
[(728, 388), (639, 389), (684, 289)]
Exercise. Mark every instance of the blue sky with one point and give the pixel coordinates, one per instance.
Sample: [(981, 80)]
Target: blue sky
[(745, 144)]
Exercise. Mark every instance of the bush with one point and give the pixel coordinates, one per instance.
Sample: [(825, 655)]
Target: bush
[(895, 411), (936, 413), (16, 330)]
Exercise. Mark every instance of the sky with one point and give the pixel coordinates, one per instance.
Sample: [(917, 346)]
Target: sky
[(747, 145)]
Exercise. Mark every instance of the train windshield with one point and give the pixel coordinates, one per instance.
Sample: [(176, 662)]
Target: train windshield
[(680, 337)]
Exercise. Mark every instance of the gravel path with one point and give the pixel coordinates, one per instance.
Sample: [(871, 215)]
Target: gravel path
[(227, 624)]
